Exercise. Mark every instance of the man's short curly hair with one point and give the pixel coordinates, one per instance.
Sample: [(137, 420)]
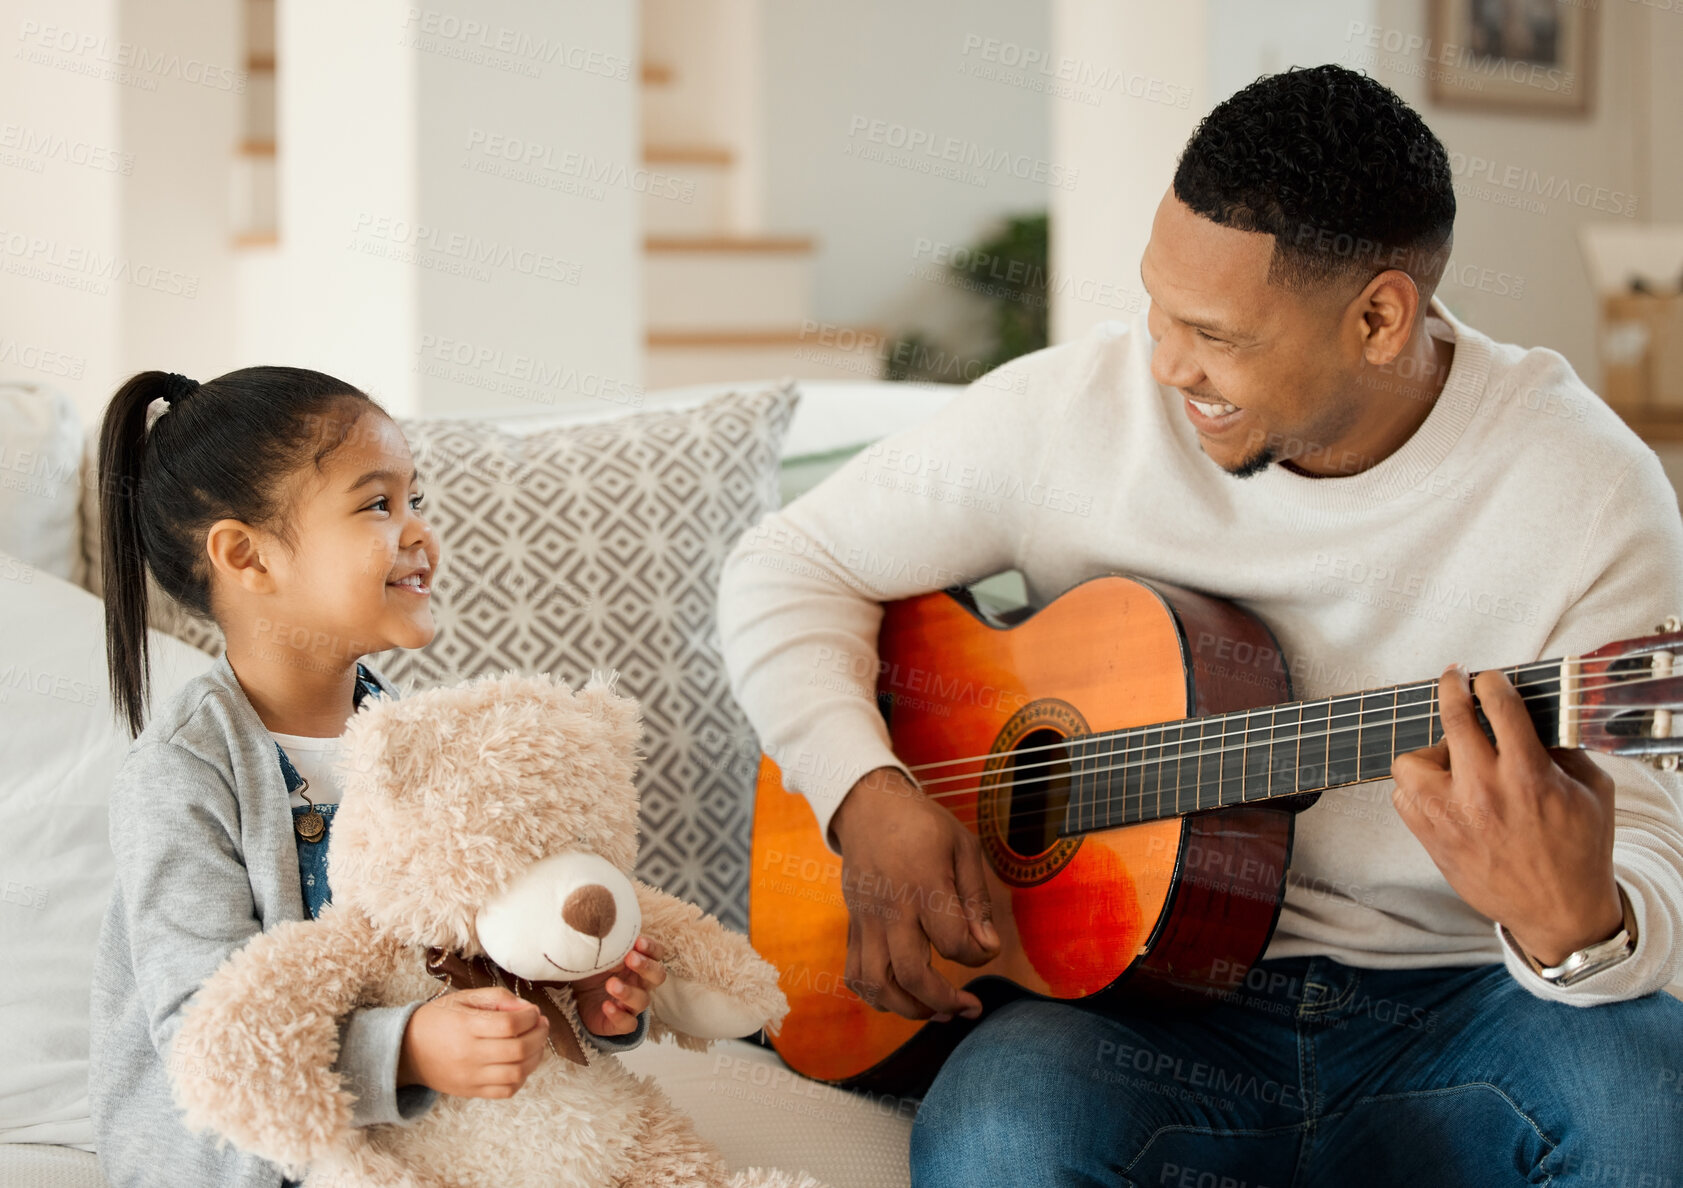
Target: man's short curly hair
[(1342, 173)]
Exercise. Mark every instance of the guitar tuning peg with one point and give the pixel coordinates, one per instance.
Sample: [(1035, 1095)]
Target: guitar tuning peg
[(1666, 762), (1672, 623)]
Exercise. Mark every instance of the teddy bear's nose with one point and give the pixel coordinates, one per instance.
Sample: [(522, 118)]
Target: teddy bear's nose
[(590, 909)]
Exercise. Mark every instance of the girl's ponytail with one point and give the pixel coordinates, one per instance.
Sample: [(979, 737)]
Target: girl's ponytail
[(122, 464), (219, 452)]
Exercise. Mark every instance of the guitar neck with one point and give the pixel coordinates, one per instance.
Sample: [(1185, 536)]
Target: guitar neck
[(1144, 773)]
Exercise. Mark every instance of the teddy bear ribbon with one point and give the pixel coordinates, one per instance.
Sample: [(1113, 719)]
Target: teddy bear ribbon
[(473, 973)]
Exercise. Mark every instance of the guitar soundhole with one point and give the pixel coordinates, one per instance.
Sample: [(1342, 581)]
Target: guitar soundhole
[(1038, 792), (1024, 792)]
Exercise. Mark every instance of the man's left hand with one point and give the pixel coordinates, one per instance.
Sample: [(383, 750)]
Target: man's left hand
[(1523, 833)]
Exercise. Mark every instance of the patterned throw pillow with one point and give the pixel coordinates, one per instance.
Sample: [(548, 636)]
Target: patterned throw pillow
[(599, 546)]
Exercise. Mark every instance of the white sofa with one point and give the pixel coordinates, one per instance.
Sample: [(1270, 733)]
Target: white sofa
[(59, 747)]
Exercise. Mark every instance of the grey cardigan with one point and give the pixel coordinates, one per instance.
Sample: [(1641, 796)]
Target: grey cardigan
[(201, 829)]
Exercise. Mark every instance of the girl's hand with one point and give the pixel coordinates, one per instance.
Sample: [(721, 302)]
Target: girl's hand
[(609, 1003), (473, 1043)]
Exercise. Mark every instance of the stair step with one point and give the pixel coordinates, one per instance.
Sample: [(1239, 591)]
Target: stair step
[(259, 32), (695, 202), (716, 283), (251, 195), (691, 103), (669, 153), (260, 107), (729, 244), (712, 356)]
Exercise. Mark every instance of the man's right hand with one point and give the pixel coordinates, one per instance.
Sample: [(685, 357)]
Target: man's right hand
[(912, 877)]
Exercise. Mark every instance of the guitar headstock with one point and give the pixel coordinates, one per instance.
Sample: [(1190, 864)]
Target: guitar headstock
[(1626, 698)]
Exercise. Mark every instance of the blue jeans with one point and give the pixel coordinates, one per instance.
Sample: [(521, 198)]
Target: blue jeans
[(1316, 1073)]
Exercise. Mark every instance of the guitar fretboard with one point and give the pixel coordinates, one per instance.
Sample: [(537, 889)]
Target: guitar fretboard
[(1144, 773)]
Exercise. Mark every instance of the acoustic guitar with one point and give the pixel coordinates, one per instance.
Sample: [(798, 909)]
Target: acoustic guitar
[(1132, 762)]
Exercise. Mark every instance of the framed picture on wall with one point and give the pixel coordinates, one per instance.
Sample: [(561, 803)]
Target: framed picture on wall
[(1515, 55)]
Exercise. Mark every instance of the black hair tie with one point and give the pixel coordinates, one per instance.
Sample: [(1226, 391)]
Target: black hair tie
[(179, 388)]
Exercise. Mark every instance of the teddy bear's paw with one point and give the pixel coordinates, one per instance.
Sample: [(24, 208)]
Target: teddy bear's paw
[(755, 1177), (691, 1008)]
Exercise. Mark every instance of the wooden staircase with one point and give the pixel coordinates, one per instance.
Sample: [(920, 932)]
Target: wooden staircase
[(254, 181), (724, 298)]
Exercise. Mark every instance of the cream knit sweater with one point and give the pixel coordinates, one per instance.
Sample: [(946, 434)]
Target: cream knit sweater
[(1522, 520)]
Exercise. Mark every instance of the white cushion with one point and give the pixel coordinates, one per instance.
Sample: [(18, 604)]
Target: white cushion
[(41, 478), (740, 1096), (59, 752), (746, 1102), (30, 1165), (832, 415)]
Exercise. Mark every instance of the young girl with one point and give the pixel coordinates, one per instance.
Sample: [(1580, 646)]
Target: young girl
[(284, 504)]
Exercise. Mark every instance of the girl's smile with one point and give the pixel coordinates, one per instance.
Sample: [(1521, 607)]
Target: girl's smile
[(413, 582)]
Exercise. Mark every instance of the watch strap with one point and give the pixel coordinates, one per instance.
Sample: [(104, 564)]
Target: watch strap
[(1591, 959)]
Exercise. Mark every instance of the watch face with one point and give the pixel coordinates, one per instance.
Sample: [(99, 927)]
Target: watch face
[(1592, 960)]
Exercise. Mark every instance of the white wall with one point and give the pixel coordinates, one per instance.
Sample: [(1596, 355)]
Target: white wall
[(59, 315), (1634, 124), (176, 221), (1126, 148), (1662, 164), (443, 247), (1248, 38), (553, 316), (829, 66), (345, 95), (117, 124)]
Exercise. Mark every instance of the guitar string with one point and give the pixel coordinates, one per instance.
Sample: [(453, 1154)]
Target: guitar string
[(1331, 702), (1335, 699), (1182, 755), (1142, 745), (1162, 759)]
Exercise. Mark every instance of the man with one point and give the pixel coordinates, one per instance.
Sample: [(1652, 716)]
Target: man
[(1297, 426)]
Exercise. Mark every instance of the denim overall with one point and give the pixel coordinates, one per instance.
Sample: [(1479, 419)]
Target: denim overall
[(312, 856)]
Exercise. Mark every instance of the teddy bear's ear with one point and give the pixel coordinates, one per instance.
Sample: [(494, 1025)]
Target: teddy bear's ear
[(624, 715), (386, 747)]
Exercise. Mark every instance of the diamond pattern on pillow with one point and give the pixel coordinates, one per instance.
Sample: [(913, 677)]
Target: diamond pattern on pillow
[(599, 546)]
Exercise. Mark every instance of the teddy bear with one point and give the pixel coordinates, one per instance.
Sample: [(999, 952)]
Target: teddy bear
[(485, 835)]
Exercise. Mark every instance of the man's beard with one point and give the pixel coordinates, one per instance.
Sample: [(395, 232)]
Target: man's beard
[(1255, 464)]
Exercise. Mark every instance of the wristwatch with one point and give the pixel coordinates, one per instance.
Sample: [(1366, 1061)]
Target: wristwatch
[(1591, 959)]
